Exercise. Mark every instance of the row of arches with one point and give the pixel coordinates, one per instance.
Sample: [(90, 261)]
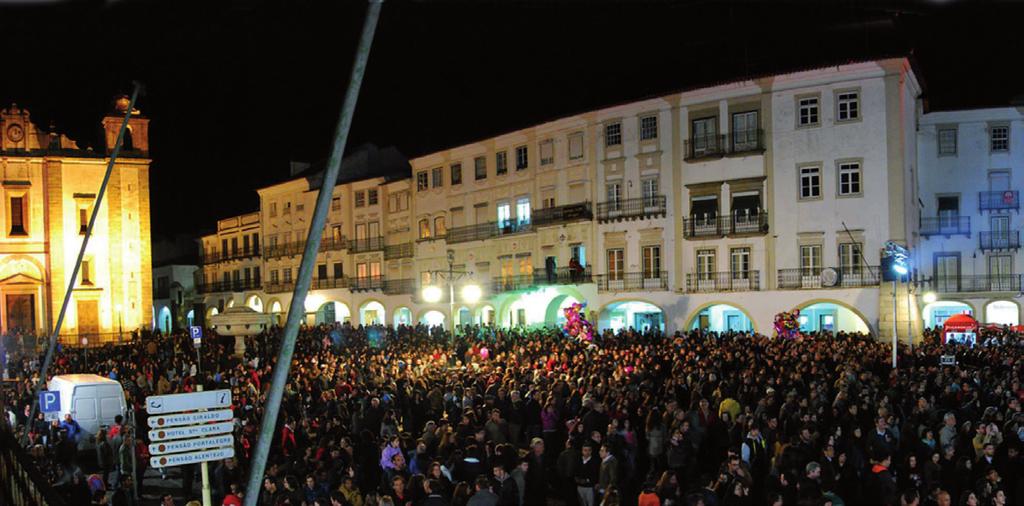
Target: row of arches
[(998, 312)]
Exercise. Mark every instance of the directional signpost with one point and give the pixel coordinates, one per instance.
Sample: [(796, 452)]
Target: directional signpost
[(192, 428)]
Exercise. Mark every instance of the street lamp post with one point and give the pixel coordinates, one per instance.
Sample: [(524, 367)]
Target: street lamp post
[(432, 293)]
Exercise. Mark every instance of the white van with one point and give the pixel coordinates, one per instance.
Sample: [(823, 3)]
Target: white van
[(92, 400)]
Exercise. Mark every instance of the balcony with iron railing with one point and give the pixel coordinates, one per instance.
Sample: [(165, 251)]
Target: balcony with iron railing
[(399, 286), (1006, 200), (366, 244), (817, 277), (741, 142), (1001, 240), (635, 208), (240, 285), (697, 227), (328, 283), (215, 257), (946, 225), (284, 249), (404, 250), (632, 281), (279, 287), (739, 281), (366, 283), (559, 215), (542, 277), (965, 283), (333, 243), (488, 230)]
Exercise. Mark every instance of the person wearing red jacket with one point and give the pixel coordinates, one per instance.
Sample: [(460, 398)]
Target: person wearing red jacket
[(288, 444)]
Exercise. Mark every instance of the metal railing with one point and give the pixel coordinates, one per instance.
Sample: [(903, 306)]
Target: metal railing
[(998, 200), (229, 286), (639, 207), (94, 339), (1006, 239), (399, 286), (333, 243), (946, 225), (285, 249), (215, 257), (740, 281), (717, 145), (328, 283), (366, 244), (811, 278), (483, 231), (279, 287), (23, 484), (542, 277), (366, 283), (975, 283), (404, 250), (632, 281), (561, 214), (719, 226)]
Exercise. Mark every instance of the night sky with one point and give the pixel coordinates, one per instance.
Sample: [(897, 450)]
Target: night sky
[(236, 89)]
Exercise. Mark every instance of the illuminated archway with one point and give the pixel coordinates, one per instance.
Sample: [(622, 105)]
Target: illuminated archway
[(1002, 312), (535, 307), (485, 315), (936, 313), (403, 316), (163, 321), (332, 312), (255, 303), (371, 313), (275, 312), (721, 317), (833, 317), (432, 318), (463, 316), (212, 311), (231, 303), (555, 314), (191, 317), (638, 314)]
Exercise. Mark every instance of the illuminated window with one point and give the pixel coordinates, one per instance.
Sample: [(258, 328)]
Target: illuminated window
[(648, 128), (525, 265), (523, 210), (424, 229), (504, 215), (18, 216), (440, 229)]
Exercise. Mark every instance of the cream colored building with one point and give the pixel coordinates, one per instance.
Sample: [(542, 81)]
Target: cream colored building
[(716, 207), (49, 188)]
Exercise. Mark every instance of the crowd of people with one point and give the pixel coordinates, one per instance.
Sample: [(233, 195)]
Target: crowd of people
[(411, 416)]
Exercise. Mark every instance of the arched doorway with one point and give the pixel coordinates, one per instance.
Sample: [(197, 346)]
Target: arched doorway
[(638, 314), (936, 313), (485, 315), (210, 313), (831, 317), (464, 316), (371, 313), (21, 294), (275, 312), (721, 318), (433, 318), (1002, 312), (231, 303), (332, 312), (403, 316), (163, 321), (556, 309), (191, 317), (255, 303)]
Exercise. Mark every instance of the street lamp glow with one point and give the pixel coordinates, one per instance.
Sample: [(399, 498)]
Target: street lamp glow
[(471, 294), (431, 293), (930, 297)]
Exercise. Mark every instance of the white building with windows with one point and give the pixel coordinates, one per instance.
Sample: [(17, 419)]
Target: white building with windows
[(716, 208), (972, 167)]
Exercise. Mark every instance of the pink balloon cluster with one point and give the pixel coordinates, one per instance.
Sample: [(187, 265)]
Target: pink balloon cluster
[(576, 325), (787, 324)]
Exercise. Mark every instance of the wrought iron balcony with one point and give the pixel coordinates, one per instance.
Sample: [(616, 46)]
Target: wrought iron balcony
[(285, 249), (718, 145), (366, 244), (328, 283), (483, 231), (946, 225), (632, 281), (279, 287), (542, 277), (399, 286), (333, 244), (366, 283), (975, 283), (393, 251), (1007, 200), (1003, 240), (740, 281), (561, 214), (635, 208), (216, 257), (817, 277), (696, 227), (229, 286)]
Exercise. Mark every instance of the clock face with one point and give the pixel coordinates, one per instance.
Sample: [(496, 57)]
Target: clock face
[(15, 133)]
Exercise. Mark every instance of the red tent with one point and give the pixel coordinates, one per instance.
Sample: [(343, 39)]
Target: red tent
[(959, 324)]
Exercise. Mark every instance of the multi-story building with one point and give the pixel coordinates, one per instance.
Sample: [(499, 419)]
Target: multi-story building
[(716, 208), (174, 293), (972, 167), (49, 188)]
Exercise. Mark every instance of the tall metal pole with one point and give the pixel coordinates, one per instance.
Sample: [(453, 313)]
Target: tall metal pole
[(316, 226), (451, 294), (910, 319), (81, 253), (894, 337)]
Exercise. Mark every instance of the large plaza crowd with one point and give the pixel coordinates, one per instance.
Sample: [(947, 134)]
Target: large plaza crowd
[(410, 416)]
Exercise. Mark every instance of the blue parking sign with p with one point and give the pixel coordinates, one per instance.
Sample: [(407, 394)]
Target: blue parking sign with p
[(196, 332), (49, 401)]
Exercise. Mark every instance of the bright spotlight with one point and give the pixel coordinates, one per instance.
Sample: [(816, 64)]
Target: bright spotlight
[(471, 294), (900, 269), (930, 297), (431, 293)]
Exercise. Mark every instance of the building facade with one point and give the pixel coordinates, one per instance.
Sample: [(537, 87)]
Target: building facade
[(49, 188), (969, 254), (714, 208)]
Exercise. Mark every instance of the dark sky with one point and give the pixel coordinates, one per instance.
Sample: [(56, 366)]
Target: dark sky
[(235, 89)]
